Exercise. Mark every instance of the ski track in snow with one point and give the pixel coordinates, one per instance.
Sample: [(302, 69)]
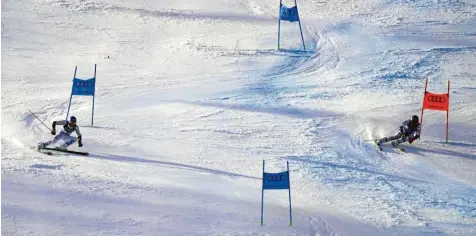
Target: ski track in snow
[(186, 114)]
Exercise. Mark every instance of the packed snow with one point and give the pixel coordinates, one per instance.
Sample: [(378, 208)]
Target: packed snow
[(192, 96)]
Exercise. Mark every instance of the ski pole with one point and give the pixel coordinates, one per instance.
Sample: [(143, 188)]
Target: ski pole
[(39, 119)]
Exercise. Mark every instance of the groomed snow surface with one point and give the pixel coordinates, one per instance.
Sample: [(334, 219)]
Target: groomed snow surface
[(191, 96)]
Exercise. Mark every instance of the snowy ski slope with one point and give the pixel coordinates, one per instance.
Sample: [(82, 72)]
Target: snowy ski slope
[(192, 95)]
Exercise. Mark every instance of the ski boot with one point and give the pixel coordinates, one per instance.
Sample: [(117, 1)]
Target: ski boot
[(41, 146), (62, 147), (380, 141), (396, 144)]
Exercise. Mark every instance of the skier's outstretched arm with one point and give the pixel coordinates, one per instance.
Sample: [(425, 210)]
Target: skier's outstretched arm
[(80, 143), (55, 123), (415, 135), (405, 127)]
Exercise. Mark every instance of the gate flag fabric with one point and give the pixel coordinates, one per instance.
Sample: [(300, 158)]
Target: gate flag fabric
[(289, 14), (433, 101), (84, 87), (276, 180)]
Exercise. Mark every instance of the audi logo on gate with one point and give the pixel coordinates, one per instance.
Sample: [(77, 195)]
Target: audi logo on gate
[(436, 99), (276, 178), (83, 84)]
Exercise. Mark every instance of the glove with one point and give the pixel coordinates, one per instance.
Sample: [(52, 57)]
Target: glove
[(53, 130), (80, 144), (413, 139)]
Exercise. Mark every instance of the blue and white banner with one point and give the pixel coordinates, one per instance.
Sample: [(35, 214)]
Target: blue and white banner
[(289, 14), (84, 87), (276, 180)]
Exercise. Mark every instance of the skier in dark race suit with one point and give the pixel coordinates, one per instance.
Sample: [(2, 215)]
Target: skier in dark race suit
[(409, 131)]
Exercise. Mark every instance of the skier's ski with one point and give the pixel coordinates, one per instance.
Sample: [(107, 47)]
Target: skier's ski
[(378, 145), (398, 147), (64, 150), (47, 152), (40, 150)]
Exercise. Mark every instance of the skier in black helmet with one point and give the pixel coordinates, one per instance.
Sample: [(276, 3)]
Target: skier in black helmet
[(409, 131), (68, 128)]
